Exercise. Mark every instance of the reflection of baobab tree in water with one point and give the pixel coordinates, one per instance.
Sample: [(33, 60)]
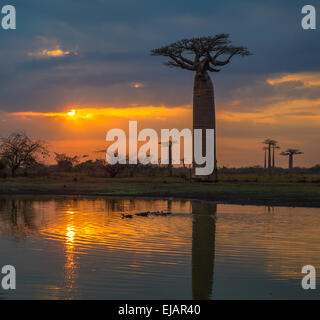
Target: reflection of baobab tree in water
[(82, 248), (203, 249), (268, 209)]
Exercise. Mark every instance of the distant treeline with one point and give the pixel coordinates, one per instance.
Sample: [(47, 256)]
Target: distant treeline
[(21, 155), (99, 168), (260, 170)]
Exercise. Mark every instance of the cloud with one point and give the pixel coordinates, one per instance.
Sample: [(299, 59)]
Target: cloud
[(54, 53), (137, 85)]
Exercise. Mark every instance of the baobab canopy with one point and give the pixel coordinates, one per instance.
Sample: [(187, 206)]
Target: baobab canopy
[(201, 54)]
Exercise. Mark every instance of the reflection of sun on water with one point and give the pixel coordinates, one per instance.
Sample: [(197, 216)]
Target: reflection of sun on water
[(81, 231), (70, 264), (70, 236)]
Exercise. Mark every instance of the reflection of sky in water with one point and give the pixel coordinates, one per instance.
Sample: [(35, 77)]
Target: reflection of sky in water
[(82, 248)]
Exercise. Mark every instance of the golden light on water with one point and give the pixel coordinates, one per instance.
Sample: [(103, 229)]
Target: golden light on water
[(87, 233), (70, 234)]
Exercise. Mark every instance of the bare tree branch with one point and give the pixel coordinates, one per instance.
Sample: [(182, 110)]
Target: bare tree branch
[(18, 150), (204, 53)]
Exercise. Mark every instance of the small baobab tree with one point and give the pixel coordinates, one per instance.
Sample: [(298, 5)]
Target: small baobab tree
[(202, 55), (20, 151), (291, 153)]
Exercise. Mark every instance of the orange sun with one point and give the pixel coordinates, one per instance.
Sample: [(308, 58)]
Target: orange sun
[(72, 112)]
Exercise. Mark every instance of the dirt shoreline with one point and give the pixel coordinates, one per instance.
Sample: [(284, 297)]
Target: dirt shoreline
[(167, 195), (278, 192)]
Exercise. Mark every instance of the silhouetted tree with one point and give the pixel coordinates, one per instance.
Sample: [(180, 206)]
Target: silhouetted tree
[(267, 142), (274, 146), (202, 55), (66, 162), (271, 145), (169, 145), (18, 150), (291, 153), (112, 169), (265, 148)]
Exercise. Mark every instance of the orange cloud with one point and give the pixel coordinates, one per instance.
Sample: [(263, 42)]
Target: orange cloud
[(57, 52), (308, 79), (277, 113), (137, 85)]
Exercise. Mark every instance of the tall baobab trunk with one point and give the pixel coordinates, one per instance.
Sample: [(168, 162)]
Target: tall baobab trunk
[(265, 158), (170, 158), (269, 156), (290, 161), (204, 114), (273, 156)]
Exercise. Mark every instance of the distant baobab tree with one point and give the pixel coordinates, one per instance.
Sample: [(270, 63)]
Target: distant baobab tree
[(271, 145), (202, 55), (268, 143), (274, 146), (169, 145), (291, 153), (265, 148)]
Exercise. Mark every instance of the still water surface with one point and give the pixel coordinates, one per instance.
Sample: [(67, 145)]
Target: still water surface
[(82, 248)]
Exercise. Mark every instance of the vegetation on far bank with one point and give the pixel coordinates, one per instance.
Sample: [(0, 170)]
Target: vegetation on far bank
[(21, 172), (276, 190)]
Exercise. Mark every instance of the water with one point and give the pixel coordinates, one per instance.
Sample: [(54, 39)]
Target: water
[(81, 248)]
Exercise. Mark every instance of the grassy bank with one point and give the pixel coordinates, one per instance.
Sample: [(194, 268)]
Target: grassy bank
[(289, 190)]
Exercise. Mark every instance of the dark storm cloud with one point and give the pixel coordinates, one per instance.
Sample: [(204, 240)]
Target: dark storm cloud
[(112, 40)]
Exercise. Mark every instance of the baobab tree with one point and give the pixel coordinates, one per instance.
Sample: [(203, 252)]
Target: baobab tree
[(274, 146), (291, 153), (271, 145), (265, 148), (202, 55), (169, 145), (268, 143)]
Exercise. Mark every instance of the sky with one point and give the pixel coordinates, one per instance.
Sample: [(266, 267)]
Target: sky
[(94, 57)]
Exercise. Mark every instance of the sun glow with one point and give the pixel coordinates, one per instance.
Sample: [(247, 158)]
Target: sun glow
[(72, 113), (100, 114)]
